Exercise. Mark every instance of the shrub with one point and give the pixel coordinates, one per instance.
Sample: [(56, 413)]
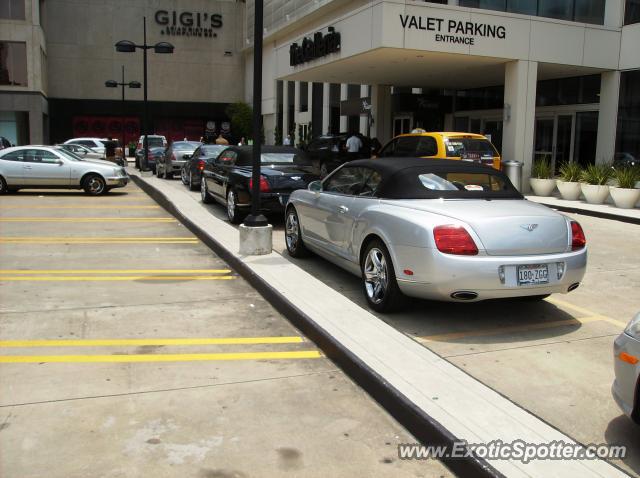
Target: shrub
[(597, 174), (627, 177), (570, 172), (541, 169)]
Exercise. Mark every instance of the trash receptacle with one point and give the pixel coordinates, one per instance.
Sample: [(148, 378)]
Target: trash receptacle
[(513, 170)]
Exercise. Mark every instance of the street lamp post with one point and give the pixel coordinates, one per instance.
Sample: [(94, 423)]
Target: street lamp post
[(255, 219), (115, 84), (126, 46)]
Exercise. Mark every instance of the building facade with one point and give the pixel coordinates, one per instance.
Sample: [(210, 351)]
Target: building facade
[(56, 56), (554, 79)]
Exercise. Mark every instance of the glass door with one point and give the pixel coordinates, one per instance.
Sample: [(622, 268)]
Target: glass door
[(543, 140), (401, 125), (554, 139)]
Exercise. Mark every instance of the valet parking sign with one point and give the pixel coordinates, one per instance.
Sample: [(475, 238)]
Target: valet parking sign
[(453, 31)]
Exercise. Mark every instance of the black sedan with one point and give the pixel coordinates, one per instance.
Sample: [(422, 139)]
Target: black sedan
[(191, 171), (327, 152), (227, 179)]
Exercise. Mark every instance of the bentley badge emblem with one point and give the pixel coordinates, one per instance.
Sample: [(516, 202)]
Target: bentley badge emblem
[(528, 227)]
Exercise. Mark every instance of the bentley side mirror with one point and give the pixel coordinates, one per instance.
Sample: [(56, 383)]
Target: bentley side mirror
[(59, 162), (315, 186)]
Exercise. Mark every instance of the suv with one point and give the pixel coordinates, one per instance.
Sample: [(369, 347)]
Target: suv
[(155, 141), (443, 145)]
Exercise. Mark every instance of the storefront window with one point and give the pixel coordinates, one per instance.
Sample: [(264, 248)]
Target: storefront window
[(12, 9), (587, 11), (628, 129), (586, 137), (304, 96), (13, 63), (632, 12), (568, 91)]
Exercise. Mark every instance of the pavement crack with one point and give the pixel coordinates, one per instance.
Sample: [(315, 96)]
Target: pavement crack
[(528, 346), (177, 389)]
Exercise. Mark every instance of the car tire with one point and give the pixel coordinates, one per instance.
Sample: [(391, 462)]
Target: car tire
[(192, 187), (4, 189), (204, 193), (168, 175), (183, 176), (233, 213), (94, 185), (379, 282), (292, 235)]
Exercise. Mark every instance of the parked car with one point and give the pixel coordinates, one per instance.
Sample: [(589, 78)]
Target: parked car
[(155, 154), (443, 145), (4, 143), (82, 151), (327, 152), (191, 172), (443, 230), (227, 179), (38, 167), (625, 160), (626, 359), (176, 155), (155, 141), (98, 145)]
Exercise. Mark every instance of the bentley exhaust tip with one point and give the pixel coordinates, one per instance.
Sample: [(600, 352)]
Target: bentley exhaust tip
[(464, 295), (573, 286)]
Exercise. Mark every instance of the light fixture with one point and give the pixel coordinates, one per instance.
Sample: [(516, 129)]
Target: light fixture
[(125, 46), (111, 84), (228, 53), (163, 47)]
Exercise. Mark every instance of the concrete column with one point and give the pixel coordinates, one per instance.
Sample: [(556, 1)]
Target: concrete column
[(344, 95), (35, 126), (416, 91), (296, 109), (326, 107), (608, 116), (519, 114), (284, 127), (364, 120), (613, 13), (381, 110)]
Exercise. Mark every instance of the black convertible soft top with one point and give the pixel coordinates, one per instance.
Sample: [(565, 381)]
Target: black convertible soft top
[(401, 178)]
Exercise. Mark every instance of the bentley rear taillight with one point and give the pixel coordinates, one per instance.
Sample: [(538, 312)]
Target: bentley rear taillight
[(264, 185), (578, 240), (456, 240)]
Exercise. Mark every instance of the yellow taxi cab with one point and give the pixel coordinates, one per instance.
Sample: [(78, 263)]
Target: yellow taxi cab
[(443, 145)]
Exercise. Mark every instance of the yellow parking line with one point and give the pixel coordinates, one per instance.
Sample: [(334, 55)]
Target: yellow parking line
[(26, 242), (303, 354), (582, 310), (87, 219), (93, 238), (107, 278), (114, 271), (515, 328), (141, 342)]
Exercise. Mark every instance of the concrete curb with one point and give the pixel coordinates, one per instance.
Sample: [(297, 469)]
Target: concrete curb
[(599, 214), (416, 421)]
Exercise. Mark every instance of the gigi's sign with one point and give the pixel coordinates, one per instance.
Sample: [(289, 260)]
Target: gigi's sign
[(188, 24), (311, 48)]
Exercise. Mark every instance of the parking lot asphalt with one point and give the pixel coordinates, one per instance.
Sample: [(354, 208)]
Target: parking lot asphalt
[(127, 349), (553, 358)]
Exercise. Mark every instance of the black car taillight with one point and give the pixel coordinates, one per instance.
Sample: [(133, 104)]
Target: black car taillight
[(264, 185)]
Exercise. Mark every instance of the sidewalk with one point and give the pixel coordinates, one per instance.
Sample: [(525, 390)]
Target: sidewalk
[(437, 402), (607, 211)]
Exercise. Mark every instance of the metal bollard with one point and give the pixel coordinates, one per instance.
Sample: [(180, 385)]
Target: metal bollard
[(513, 170)]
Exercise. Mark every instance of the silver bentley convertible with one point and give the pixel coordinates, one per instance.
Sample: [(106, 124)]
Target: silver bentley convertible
[(435, 229)]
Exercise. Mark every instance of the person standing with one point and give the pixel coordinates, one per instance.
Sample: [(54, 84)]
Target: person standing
[(110, 149), (287, 140), (354, 144)]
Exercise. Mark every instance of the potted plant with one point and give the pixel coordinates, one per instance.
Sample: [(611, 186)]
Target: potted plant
[(569, 181), (594, 182), (625, 195), (541, 181)]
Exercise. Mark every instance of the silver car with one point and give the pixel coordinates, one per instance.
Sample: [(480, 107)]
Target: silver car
[(626, 358), (39, 167), (435, 229)]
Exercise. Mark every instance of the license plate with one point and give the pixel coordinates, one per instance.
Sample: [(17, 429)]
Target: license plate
[(533, 274)]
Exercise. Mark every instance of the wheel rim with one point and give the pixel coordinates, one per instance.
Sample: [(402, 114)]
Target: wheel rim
[(376, 275), (96, 186), (231, 205), (203, 189), (2, 188), (291, 231)]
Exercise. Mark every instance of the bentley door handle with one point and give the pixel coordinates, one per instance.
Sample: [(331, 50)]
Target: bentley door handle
[(342, 209)]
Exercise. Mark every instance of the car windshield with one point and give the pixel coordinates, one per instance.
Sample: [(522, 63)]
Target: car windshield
[(68, 154), (471, 148), (277, 158), (154, 142), (185, 145)]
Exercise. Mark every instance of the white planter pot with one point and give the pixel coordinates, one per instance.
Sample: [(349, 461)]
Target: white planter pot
[(625, 198), (542, 187), (569, 190), (594, 193)]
